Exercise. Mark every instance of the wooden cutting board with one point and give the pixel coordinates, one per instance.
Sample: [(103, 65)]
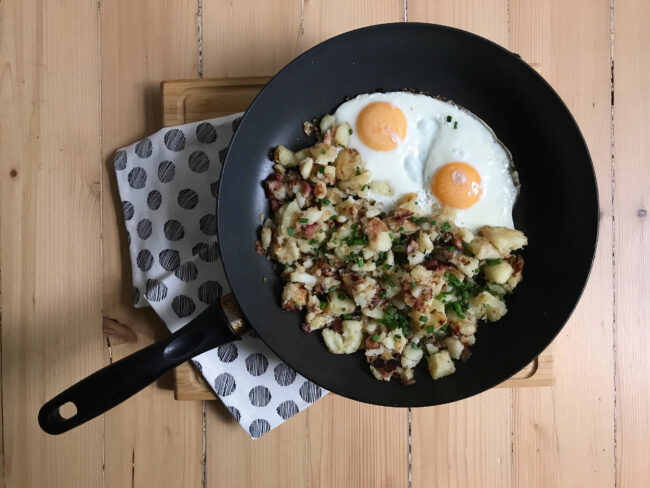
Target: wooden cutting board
[(186, 101)]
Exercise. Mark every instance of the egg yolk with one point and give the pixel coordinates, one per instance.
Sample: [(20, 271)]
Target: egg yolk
[(457, 185), (381, 126)]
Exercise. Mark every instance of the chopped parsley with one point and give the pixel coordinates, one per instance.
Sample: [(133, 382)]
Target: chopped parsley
[(290, 231), (394, 319), (424, 319), (493, 262)]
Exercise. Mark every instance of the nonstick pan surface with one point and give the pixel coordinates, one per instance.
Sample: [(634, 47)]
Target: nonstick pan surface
[(557, 207)]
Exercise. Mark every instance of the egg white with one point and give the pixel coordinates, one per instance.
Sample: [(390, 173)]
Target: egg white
[(438, 132)]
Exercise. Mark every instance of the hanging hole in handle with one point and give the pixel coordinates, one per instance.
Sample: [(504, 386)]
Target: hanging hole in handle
[(67, 410)]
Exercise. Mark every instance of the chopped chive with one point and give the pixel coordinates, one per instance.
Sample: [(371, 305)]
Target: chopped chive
[(304, 220), (423, 319), (448, 118), (382, 294), (364, 187), (290, 231), (398, 337), (451, 248), (390, 234), (413, 283), (387, 266), (358, 171), (375, 338), (312, 241), (456, 124), (350, 131), (400, 229), (333, 217), (322, 151), (430, 329), (446, 226), (493, 262), (348, 317), (323, 305), (332, 288), (433, 222), (341, 296), (360, 262), (391, 283), (322, 170), (265, 279), (326, 201), (458, 310)]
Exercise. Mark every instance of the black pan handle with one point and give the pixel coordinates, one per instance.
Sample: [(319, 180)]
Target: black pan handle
[(113, 384)]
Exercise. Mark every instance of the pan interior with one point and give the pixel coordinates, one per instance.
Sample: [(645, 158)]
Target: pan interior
[(557, 207)]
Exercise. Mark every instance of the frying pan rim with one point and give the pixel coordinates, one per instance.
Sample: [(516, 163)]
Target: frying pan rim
[(407, 401)]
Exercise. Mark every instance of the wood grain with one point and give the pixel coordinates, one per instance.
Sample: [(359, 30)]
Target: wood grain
[(150, 440), (249, 38), (564, 437), (632, 234), (50, 229), (326, 18)]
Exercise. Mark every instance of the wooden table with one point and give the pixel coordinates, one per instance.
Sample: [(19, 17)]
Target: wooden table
[(80, 79)]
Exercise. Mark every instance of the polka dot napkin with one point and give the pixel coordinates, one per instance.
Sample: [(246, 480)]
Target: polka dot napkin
[(168, 186)]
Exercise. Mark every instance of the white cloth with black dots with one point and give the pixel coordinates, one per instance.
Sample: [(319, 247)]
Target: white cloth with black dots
[(168, 186)]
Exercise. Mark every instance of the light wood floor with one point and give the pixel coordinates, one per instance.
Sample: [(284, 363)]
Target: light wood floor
[(79, 79)]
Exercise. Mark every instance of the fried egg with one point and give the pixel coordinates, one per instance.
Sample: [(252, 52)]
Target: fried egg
[(442, 152)]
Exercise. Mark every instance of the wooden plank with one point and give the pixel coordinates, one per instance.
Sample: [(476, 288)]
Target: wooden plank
[(632, 224), (563, 436), (325, 19), (475, 447), (487, 18), (251, 38), (50, 230), (151, 440)]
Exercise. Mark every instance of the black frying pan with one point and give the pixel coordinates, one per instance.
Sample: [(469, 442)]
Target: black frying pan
[(557, 209)]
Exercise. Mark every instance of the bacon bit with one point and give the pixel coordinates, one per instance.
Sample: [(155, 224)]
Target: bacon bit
[(431, 265), (443, 255), (337, 325), (352, 279), (318, 289), (305, 327), (310, 230), (324, 269), (275, 204), (411, 247), (259, 249), (291, 305), (305, 188), (379, 363), (370, 344), (376, 300), (516, 261), (457, 243), (391, 365), (399, 218), (466, 354)]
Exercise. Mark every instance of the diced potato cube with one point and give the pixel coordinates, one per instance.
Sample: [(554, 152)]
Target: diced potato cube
[(304, 278), (338, 303), (294, 296), (424, 243), (285, 157), (465, 234), (312, 214), (342, 134), (357, 185), (265, 237), (347, 342), (485, 304), (504, 239), (375, 313), (498, 273), (440, 365), (302, 153), (483, 249), (468, 265), (381, 188), (348, 164), (411, 356), (305, 167), (454, 346), (289, 218), (464, 326), (327, 122), (323, 154)]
